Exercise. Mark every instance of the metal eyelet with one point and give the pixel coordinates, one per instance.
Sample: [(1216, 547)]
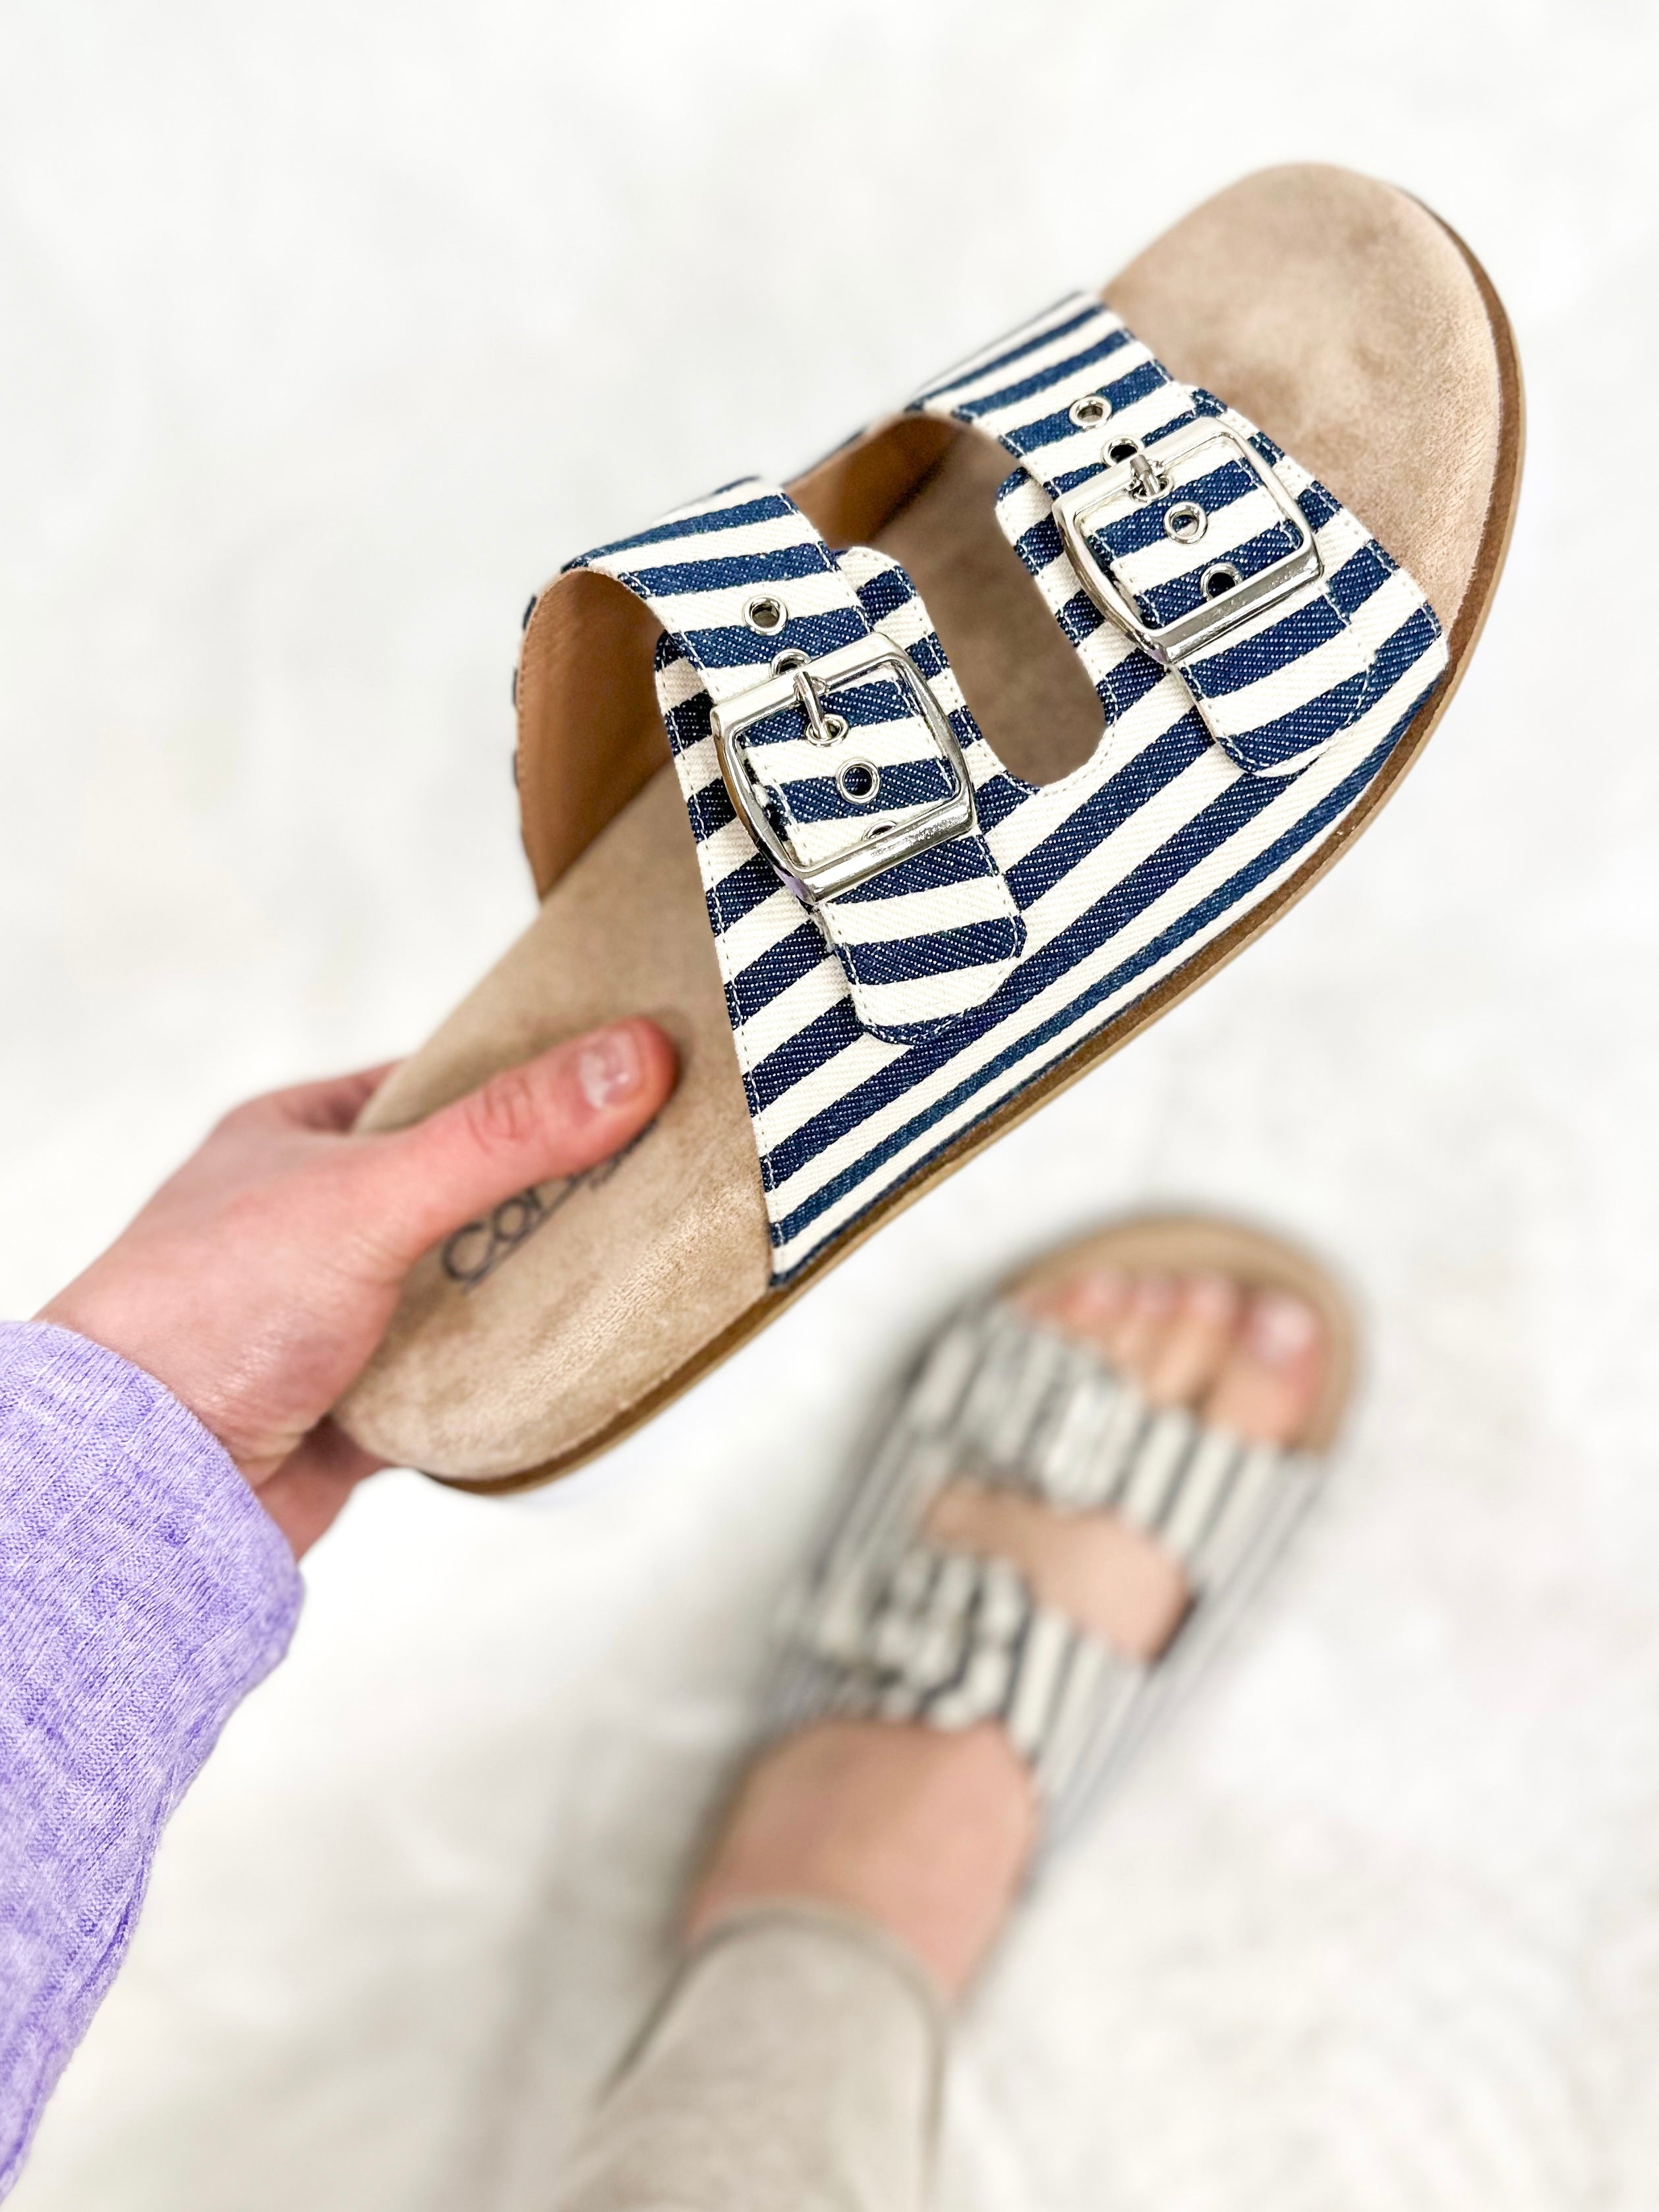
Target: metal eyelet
[(1186, 522), (792, 657), (857, 781), (1218, 580), (835, 729), (766, 615), (1093, 408)]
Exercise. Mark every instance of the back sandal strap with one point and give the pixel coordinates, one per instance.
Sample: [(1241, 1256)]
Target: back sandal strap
[(891, 1624), (835, 750)]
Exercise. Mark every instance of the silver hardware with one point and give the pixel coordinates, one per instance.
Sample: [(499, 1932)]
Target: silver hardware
[(1093, 408), (822, 729), (1185, 455), (1147, 477), (1147, 474), (859, 781), (1185, 522), (766, 613), (1218, 580), (870, 850), (793, 658)]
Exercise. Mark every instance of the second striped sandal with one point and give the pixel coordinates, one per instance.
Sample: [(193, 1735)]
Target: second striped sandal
[(894, 1623)]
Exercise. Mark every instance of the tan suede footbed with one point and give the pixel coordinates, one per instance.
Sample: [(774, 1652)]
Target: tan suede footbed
[(1335, 312)]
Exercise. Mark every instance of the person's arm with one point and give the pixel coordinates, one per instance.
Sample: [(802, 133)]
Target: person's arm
[(143, 1590), (166, 1453)]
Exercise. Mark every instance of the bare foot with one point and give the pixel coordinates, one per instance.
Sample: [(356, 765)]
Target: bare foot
[(928, 1833)]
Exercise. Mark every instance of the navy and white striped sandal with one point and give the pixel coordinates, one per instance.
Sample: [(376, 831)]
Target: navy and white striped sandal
[(891, 1623), (933, 874)]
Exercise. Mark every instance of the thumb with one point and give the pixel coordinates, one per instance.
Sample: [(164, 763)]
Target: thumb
[(554, 1115)]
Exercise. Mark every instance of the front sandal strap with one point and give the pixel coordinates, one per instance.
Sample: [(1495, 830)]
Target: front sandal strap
[(1169, 535)]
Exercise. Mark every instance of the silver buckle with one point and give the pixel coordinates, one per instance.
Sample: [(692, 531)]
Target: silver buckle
[(1147, 473), (872, 851)]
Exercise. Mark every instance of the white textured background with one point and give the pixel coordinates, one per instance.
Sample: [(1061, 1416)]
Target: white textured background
[(326, 329)]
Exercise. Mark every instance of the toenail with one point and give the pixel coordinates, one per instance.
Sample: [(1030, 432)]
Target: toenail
[(1210, 1297), (1101, 1292), (1279, 1329)]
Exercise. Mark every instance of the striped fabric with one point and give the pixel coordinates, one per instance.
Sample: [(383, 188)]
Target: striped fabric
[(875, 1026), (891, 1624), (1285, 683), (923, 941)]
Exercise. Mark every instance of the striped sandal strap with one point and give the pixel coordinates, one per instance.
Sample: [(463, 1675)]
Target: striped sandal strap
[(951, 1639), (1196, 542), (891, 1624), (1002, 1400), (826, 751)]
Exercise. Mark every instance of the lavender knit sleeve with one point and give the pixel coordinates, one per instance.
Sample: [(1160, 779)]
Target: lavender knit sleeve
[(143, 1591)]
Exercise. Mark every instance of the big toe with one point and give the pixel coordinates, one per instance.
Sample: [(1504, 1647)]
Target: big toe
[(1268, 1383)]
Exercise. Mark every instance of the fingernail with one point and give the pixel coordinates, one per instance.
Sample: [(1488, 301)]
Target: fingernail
[(610, 1066), (1154, 1296), (1279, 1329)]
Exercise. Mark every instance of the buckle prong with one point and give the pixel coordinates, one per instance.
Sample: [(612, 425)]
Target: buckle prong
[(822, 729), (1146, 478)]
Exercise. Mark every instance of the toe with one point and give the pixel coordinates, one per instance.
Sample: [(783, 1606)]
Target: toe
[(1269, 1381), (1090, 1306), (1123, 1317), (1200, 1333), (1136, 1342)]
